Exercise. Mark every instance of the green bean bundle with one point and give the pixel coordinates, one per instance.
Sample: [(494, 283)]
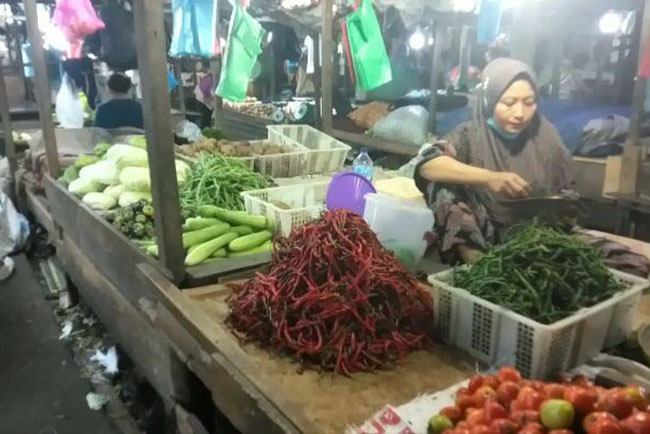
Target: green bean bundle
[(217, 180), (541, 273)]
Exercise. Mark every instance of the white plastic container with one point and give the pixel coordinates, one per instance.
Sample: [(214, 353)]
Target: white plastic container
[(497, 336), (293, 162), (399, 224), (287, 207)]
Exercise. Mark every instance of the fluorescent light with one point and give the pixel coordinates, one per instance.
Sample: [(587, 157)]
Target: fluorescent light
[(417, 40), (610, 22), (269, 37)]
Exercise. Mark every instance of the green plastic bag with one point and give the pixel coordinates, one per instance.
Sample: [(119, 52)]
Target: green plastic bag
[(244, 45), (371, 62)]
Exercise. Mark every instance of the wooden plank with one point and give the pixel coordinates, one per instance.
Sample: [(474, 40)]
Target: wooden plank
[(318, 89), (465, 53), (152, 63), (327, 70), (10, 146), (436, 70), (42, 87), (374, 143)]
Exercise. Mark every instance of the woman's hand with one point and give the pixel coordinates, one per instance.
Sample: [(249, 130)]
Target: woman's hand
[(507, 184)]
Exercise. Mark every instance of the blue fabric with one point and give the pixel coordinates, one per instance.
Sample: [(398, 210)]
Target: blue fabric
[(171, 81), (489, 21), (500, 131), (193, 28), (569, 117), (118, 113)]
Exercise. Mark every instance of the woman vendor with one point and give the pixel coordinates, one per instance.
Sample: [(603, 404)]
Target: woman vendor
[(508, 150)]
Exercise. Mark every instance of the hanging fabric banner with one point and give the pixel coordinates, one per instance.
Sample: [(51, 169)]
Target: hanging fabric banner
[(194, 28)]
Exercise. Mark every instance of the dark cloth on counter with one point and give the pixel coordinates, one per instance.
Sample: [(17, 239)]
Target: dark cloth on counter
[(119, 112), (82, 73), (474, 216)]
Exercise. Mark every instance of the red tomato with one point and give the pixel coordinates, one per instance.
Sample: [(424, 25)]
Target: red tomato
[(474, 383), (492, 411), (582, 399), (638, 423), (554, 391), (464, 402), (535, 426), (462, 431), (480, 429), (524, 417), (507, 392), (581, 380), (462, 425), (475, 417), (638, 396), (530, 399), (616, 402), (463, 391), (453, 413), (560, 431), (538, 385), (508, 373), (590, 421), (491, 381), (504, 426), (483, 394), (530, 430)]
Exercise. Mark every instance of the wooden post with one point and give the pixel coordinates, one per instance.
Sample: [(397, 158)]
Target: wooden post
[(178, 72), (152, 65), (318, 90), (436, 69), (327, 70), (10, 146), (464, 58), (639, 85), (215, 67), (42, 88)]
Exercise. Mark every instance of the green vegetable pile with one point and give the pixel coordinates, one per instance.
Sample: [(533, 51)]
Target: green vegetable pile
[(212, 133), (217, 180), (541, 273), (135, 221)]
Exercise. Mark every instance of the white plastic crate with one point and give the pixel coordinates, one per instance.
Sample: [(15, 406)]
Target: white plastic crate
[(498, 336), (287, 165), (325, 153), (287, 207)]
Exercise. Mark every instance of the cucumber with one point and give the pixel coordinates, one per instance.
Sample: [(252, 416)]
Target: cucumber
[(221, 253), (194, 224), (242, 230), (249, 241), (239, 218), (197, 237), (267, 247), (203, 252), (208, 211)]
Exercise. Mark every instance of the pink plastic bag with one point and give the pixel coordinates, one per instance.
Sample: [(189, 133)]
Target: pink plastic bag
[(76, 19)]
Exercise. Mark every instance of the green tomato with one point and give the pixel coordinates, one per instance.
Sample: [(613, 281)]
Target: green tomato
[(557, 414), (439, 423)]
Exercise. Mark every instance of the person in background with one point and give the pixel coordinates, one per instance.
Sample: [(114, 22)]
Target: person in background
[(495, 52), (121, 110), (508, 150)]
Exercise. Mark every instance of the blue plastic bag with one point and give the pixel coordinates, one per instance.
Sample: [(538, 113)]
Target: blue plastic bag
[(489, 21), (194, 28)]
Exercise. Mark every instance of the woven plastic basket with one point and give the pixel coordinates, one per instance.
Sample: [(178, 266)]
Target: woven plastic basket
[(287, 165)]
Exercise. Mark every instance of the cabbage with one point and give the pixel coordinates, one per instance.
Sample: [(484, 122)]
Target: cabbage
[(115, 191), (138, 142), (99, 201), (127, 156), (84, 185), (105, 172), (135, 179), (182, 170), (129, 197), (85, 160)]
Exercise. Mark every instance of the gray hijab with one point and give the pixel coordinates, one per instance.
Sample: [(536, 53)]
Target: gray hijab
[(537, 154)]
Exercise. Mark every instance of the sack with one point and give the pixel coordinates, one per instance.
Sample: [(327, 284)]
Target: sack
[(76, 19), (14, 228), (406, 125), (244, 45), (371, 63), (194, 28), (69, 108)]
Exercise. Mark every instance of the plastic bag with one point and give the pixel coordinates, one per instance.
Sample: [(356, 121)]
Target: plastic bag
[(194, 28), (76, 19), (69, 108), (244, 45), (406, 125), (371, 62), (188, 130), (14, 228)]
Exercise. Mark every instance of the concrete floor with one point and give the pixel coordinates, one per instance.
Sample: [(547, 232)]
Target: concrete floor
[(41, 390)]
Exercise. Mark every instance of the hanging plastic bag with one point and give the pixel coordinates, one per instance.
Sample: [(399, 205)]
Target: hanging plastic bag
[(244, 45), (194, 28), (69, 108), (76, 19), (371, 62)]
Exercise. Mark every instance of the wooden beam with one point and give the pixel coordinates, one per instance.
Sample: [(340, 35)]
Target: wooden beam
[(318, 90), (436, 70), (152, 64), (215, 68), (465, 52), (639, 85), (327, 70), (42, 88), (178, 72), (10, 146)]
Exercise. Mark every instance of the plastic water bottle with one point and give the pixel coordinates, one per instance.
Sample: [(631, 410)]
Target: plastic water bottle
[(363, 164)]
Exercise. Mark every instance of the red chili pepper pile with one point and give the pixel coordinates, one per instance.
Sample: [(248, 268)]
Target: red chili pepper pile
[(335, 299)]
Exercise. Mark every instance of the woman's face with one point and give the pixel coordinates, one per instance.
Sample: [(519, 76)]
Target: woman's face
[(516, 107)]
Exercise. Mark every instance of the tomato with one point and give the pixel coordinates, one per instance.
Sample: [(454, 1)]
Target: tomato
[(582, 399), (453, 413), (462, 425), (530, 430), (606, 426), (638, 423), (507, 392), (616, 402), (438, 424), (483, 394), (529, 398), (508, 373), (554, 391), (464, 402), (524, 417), (504, 426), (491, 381), (475, 417), (534, 427), (637, 395), (560, 431), (557, 414), (581, 380), (480, 429), (589, 422), (462, 431), (493, 410), (475, 383), (538, 385)]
